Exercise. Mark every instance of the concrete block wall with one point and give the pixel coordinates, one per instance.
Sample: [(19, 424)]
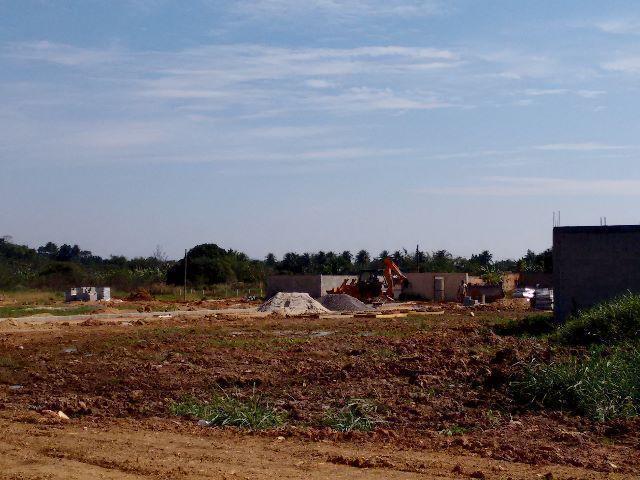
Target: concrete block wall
[(422, 285), (592, 264), (314, 285), (329, 282), (531, 279)]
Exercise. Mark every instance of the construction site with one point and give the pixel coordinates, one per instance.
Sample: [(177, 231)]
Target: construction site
[(378, 375), (319, 239)]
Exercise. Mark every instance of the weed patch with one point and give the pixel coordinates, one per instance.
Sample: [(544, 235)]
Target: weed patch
[(531, 325), (610, 322), (453, 430), (357, 414), (604, 384), (25, 311), (226, 410)]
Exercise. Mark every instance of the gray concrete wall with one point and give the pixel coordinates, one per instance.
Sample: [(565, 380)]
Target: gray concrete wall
[(423, 285), (329, 282), (592, 264), (531, 279)]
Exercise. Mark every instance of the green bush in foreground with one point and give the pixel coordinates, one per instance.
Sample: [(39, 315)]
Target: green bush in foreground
[(531, 325), (603, 385), (357, 414), (610, 322), (231, 411)]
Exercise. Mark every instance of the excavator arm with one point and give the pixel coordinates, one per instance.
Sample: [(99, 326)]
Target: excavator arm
[(393, 275)]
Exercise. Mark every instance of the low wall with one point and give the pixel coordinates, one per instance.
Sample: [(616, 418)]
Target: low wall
[(329, 282), (422, 285), (314, 285), (531, 279)]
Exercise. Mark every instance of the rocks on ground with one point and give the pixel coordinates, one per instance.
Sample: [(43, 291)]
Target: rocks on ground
[(340, 302)]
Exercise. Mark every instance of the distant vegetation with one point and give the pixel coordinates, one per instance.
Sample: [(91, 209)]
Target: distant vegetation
[(55, 267)]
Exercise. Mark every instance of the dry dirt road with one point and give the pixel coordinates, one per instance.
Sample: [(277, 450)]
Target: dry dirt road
[(440, 386), (34, 448)]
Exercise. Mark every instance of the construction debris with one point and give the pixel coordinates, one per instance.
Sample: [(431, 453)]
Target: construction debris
[(543, 299), (341, 302), (526, 292), (292, 304)]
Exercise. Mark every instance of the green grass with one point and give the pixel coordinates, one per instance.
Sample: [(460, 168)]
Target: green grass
[(225, 410), (11, 363), (529, 326), (357, 414), (25, 311), (602, 385), (610, 322), (453, 430), (31, 297)]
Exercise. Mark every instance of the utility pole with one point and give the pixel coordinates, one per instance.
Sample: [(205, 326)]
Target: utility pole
[(184, 295)]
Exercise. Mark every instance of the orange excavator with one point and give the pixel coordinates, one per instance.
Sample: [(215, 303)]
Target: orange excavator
[(368, 285)]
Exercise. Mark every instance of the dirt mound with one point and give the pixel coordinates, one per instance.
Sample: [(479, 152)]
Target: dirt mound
[(292, 304), (340, 302), (140, 295)]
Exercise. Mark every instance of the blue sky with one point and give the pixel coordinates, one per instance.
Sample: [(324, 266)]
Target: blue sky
[(278, 125)]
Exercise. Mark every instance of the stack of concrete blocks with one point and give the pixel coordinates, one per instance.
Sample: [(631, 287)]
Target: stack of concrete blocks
[(87, 294), (71, 295), (104, 293)]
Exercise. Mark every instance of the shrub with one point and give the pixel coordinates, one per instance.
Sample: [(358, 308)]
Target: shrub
[(226, 410), (531, 325), (357, 414), (603, 385), (610, 322)]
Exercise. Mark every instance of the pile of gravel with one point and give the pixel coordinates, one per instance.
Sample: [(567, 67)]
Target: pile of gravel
[(341, 302), (292, 304)]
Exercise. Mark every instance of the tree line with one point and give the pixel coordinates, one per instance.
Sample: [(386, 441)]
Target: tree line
[(60, 266)]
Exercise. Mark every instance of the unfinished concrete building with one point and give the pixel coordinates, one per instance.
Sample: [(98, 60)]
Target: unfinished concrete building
[(592, 264), (427, 286)]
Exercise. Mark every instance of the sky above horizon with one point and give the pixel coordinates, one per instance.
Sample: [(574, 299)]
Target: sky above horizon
[(287, 125)]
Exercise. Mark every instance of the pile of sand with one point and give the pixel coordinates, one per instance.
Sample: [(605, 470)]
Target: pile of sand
[(140, 295), (340, 302), (292, 304)]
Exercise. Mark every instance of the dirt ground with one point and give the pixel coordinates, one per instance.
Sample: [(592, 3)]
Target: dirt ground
[(440, 383)]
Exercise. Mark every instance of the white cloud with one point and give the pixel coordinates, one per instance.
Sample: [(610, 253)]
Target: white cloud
[(539, 186), (581, 147), (319, 83), (60, 54), (624, 65), (619, 26), (340, 9), (537, 92)]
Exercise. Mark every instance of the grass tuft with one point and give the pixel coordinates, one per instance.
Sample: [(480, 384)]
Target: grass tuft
[(226, 410), (531, 325), (357, 414), (610, 322), (603, 385)]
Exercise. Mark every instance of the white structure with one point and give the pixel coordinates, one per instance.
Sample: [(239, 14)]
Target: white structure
[(87, 294)]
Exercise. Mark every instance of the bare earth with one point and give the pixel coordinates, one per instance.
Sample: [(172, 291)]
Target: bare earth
[(441, 383)]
